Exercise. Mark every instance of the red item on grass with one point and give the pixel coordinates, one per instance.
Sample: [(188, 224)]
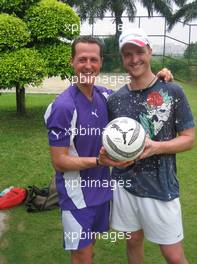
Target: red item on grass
[(14, 197)]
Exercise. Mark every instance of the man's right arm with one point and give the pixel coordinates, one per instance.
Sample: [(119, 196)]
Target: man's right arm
[(62, 161)]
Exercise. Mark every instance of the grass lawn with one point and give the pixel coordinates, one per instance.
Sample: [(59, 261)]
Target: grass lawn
[(24, 160)]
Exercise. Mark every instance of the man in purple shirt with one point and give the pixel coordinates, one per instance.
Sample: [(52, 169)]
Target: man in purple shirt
[(75, 122)]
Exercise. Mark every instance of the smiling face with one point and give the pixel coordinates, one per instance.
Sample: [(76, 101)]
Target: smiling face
[(136, 60), (87, 63)]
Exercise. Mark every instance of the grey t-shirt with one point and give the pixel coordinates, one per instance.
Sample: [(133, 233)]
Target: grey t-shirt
[(163, 111)]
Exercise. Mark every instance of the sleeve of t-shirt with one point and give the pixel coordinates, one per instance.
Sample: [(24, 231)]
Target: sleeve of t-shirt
[(59, 120), (184, 118)]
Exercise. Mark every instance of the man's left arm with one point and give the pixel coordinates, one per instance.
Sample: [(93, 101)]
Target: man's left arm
[(184, 141), (166, 75)]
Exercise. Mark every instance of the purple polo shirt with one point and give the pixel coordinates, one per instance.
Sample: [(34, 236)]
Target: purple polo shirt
[(74, 121)]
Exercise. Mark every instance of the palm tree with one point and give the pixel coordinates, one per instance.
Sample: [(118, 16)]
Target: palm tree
[(92, 9), (187, 12)]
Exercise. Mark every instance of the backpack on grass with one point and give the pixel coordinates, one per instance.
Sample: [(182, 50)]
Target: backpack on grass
[(42, 199)]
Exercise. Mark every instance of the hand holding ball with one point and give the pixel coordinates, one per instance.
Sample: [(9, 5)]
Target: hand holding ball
[(124, 139)]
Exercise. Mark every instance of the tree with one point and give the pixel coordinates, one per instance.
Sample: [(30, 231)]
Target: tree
[(34, 43), (187, 12), (97, 8)]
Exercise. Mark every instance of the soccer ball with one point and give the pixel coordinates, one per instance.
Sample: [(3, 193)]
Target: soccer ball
[(124, 139)]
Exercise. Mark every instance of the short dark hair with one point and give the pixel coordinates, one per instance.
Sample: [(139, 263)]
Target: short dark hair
[(86, 39)]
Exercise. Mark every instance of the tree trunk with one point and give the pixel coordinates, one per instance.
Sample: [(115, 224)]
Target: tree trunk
[(20, 100), (119, 24)]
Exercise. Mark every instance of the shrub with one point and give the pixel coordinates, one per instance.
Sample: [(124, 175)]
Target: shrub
[(50, 19), (21, 67), (156, 64), (112, 59), (191, 52), (57, 57), (13, 32), (30, 47), (16, 6), (179, 68)]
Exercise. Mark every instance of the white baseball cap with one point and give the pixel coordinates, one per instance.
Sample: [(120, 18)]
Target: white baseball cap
[(135, 36)]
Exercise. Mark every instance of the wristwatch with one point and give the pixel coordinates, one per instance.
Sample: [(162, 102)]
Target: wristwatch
[(97, 161)]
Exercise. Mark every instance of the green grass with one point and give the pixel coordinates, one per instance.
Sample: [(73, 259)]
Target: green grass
[(24, 160)]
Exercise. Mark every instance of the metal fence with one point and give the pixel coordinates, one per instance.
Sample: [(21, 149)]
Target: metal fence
[(165, 43)]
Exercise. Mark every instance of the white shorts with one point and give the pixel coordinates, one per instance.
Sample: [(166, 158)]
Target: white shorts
[(161, 221)]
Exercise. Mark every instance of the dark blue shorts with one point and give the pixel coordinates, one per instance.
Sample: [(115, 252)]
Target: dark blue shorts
[(81, 225)]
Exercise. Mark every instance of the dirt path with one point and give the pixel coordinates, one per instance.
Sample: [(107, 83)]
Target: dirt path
[(55, 85)]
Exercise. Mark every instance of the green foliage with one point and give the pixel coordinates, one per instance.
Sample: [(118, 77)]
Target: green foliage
[(111, 56), (15, 6), (156, 64), (57, 57), (179, 68), (28, 25), (187, 13), (50, 19), (13, 32), (21, 67), (191, 52)]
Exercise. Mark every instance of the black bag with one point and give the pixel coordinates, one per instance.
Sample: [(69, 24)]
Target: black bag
[(42, 199)]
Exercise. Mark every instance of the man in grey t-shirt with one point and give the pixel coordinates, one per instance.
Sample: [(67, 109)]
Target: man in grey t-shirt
[(148, 205)]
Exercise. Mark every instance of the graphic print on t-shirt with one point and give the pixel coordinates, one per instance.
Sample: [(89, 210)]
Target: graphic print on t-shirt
[(158, 106)]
